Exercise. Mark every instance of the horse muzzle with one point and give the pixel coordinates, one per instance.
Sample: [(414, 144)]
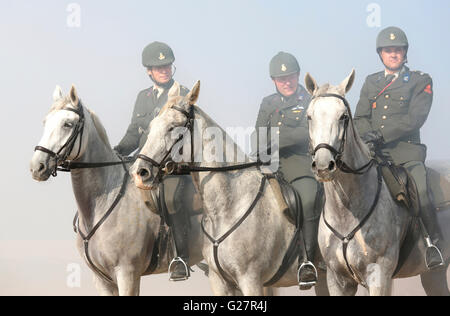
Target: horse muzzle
[(324, 169), (40, 170)]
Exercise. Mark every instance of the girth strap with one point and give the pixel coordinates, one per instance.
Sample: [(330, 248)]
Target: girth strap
[(346, 239), (218, 241)]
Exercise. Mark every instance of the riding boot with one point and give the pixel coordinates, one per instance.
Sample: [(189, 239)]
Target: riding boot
[(430, 230), (179, 267), (307, 272)]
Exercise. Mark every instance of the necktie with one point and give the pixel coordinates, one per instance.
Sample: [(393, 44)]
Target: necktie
[(389, 78)]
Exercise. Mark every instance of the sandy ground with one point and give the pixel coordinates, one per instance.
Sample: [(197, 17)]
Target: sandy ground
[(55, 268)]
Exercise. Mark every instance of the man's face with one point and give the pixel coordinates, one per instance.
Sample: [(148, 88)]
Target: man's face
[(161, 74), (287, 85), (393, 57)]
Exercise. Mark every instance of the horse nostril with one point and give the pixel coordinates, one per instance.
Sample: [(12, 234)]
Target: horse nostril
[(41, 167), (332, 166), (314, 165)]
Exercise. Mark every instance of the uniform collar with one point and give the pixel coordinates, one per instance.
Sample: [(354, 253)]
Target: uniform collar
[(299, 94), (396, 74)]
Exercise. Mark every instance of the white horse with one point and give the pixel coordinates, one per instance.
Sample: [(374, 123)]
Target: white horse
[(362, 228), (118, 232), (248, 234)]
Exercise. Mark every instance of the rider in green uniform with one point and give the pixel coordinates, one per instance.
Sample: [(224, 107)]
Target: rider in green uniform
[(286, 110), (158, 58), (393, 106)]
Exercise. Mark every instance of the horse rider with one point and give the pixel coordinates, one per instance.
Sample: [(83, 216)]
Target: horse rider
[(286, 110), (158, 59), (393, 106)]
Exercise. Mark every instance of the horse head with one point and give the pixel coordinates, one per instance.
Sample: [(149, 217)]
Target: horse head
[(329, 117), (61, 139), (165, 137)]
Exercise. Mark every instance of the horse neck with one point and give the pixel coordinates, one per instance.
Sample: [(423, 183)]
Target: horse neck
[(219, 190), (351, 195), (92, 186)]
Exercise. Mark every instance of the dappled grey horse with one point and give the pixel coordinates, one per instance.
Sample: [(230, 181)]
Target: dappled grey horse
[(362, 228), (117, 230), (248, 234)]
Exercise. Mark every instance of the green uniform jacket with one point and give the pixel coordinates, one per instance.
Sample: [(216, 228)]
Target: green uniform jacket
[(289, 115), (398, 112), (146, 108)]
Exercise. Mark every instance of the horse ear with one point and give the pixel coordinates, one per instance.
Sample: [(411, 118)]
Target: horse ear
[(310, 83), (193, 95), (73, 94), (346, 85), (57, 94), (174, 91)]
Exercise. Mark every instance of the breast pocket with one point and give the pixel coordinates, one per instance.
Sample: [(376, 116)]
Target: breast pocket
[(399, 103), (142, 121), (294, 117)]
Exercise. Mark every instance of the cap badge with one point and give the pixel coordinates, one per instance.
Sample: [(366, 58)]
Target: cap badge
[(283, 67), (161, 56), (392, 36)]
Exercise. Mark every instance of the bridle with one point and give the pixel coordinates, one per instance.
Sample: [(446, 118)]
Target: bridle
[(69, 144), (338, 153)]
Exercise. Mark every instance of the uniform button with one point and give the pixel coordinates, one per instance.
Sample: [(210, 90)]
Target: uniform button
[(297, 118), (385, 107), (402, 98), (278, 132), (279, 123), (387, 96), (384, 117), (282, 115), (382, 126)]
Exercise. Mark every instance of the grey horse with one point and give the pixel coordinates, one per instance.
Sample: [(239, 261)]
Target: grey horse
[(242, 260), (120, 250), (361, 228)]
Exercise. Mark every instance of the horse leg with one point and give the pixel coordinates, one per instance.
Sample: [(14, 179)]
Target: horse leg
[(379, 281), (340, 286), (220, 287), (105, 288), (270, 291), (128, 283), (434, 282), (321, 287), (251, 286)]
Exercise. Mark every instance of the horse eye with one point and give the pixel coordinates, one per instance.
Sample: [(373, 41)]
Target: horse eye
[(171, 129), (68, 124), (308, 118)]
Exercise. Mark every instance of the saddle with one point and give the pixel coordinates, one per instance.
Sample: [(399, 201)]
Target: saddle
[(288, 199), (402, 186)]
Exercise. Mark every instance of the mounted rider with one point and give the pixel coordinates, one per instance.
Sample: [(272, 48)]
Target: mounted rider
[(286, 110), (393, 106), (158, 59)]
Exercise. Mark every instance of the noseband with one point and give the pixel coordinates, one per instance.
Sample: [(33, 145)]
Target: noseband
[(69, 144), (337, 154)]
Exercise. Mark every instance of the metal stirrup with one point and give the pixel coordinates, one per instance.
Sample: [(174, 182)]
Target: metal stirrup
[(306, 264), (179, 259), (430, 245)]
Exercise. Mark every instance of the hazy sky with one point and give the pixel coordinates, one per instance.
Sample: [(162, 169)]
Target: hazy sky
[(227, 45)]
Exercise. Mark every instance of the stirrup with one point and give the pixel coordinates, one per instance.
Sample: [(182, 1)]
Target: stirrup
[(433, 247), (187, 274), (309, 284)]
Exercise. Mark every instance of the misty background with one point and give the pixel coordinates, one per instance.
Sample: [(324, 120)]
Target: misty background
[(97, 46)]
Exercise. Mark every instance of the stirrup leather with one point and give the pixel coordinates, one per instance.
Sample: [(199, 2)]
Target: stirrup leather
[(187, 274), (307, 284), (433, 247)]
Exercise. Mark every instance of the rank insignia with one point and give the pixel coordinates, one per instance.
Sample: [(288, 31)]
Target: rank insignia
[(428, 89)]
